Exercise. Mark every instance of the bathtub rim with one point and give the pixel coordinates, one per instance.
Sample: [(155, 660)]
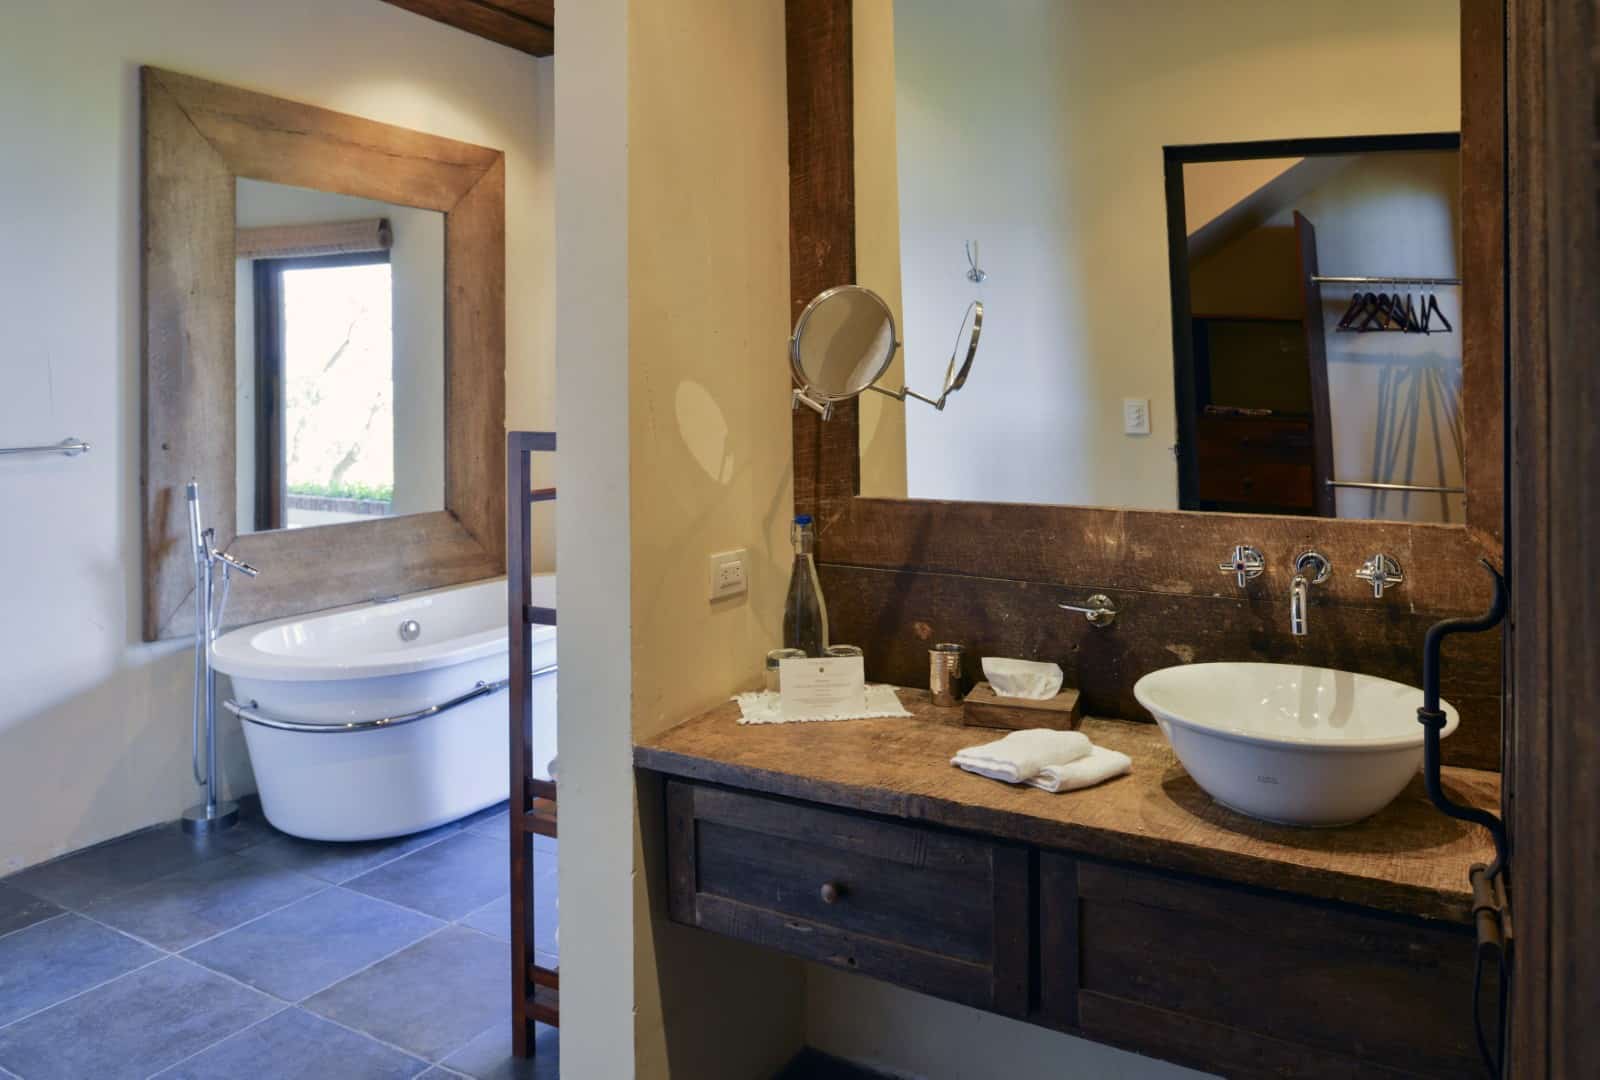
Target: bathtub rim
[(235, 653)]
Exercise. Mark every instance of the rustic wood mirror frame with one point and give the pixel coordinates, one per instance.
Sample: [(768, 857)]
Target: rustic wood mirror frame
[(983, 564), (198, 139)]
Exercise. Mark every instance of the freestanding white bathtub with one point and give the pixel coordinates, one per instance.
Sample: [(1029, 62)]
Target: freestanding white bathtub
[(385, 718)]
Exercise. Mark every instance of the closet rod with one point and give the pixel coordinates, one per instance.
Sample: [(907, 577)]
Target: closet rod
[(1376, 486), (1322, 279), (68, 446)]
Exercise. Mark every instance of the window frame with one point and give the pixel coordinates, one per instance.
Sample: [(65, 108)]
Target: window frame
[(271, 485)]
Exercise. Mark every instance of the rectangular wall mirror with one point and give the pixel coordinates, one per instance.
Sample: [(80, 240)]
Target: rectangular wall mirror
[(1221, 261), (324, 351), (339, 358)]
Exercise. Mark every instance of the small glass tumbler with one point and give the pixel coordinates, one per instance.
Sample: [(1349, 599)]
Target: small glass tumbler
[(834, 651), (944, 673), (775, 659)]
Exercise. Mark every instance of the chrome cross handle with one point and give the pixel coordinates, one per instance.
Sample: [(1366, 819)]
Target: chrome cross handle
[(1247, 563), (1381, 571)]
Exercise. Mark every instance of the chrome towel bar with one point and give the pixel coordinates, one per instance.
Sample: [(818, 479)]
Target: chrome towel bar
[(69, 446), (1375, 485), (248, 712), (1326, 279)]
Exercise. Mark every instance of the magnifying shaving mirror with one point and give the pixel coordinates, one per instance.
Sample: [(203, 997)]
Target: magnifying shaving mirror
[(844, 341)]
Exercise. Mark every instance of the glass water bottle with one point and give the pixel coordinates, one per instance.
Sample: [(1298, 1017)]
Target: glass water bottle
[(805, 616)]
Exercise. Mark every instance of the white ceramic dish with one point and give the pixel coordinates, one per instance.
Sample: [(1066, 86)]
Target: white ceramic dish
[(1288, 743), (351, 664)]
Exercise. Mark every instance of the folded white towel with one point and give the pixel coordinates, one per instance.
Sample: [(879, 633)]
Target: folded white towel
[(1022, 754), (1097, 766)]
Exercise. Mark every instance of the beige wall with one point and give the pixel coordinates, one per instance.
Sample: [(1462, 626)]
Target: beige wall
[(909, 1034), (94, 724), (672, 294), (883, 421), (1037, 129)]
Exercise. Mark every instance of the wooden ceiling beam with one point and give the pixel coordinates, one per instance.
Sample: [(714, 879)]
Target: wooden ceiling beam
[(525, 25)]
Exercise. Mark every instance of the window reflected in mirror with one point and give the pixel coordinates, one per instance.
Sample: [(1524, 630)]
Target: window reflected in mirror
[(340, 358), (1158, 193)]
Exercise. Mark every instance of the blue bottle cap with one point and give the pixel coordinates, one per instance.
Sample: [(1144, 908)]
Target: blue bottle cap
[(802, 519)]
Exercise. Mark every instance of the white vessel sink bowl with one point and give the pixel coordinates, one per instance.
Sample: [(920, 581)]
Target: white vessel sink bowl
[(1291, 744)]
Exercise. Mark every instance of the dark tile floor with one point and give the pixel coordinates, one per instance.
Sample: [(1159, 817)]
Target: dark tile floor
[(268, 957)]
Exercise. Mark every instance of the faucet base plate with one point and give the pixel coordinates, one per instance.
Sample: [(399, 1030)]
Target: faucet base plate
[(204, 821)]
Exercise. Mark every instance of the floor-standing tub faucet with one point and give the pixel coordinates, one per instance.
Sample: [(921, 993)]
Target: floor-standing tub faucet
[(212, 815), (1310, 568)]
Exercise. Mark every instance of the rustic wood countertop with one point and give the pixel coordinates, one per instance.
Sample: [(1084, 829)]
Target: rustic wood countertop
[(1409, 859)]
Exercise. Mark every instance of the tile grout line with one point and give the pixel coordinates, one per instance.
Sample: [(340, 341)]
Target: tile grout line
[(363, 969), (86, 990), (211, 1046), (60, 912), (427, 1062), (210, 937), (375, 963), (399, 906), (371, 869)]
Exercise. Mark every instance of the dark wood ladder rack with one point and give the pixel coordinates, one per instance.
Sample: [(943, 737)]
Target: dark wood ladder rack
[(536, 990)]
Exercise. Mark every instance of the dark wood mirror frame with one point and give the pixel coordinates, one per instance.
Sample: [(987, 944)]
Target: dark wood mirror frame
[(899, 572), (198, 139)]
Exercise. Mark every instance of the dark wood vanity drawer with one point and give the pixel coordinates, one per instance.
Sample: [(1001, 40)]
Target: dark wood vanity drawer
[(1255, 460), (936, 911), (1251, 983)]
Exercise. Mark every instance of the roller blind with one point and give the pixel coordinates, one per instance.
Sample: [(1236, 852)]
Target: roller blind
[(319, 238)]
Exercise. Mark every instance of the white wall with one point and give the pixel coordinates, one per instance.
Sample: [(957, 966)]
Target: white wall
[(1037, 130), (416, 275), (94, 725), (1395, 399)]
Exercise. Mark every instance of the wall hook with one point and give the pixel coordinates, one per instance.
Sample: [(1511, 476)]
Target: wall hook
[(975, 274)]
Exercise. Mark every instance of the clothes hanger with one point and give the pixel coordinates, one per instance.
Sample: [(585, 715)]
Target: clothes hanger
[(1386, 307), (1410, 316), (1373, 312), (1348, 321), (1433, 305)]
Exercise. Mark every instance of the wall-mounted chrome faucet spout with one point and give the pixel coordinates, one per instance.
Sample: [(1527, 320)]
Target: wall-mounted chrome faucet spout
[(1310, 568)]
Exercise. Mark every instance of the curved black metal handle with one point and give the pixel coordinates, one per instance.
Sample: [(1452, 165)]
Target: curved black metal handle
[(1433, 719)]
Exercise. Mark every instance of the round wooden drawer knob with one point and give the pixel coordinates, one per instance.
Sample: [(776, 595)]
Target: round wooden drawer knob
[(831, 892)]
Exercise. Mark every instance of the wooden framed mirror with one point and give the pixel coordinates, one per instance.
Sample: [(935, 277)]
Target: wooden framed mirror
[(210, 153), (988, 569)]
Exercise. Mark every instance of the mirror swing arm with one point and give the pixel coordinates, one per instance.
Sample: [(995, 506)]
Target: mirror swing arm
[(884, 343)]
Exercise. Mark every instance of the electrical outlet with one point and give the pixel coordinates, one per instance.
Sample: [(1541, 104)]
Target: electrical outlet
[(727, 574), (1135, 416)]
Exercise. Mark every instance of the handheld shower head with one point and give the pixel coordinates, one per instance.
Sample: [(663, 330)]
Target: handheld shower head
[(197, 541)]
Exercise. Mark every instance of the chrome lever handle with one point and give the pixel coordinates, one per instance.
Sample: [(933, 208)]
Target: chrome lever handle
[(1246, 563), (1100, 611), (237, 564), (1381, 572)]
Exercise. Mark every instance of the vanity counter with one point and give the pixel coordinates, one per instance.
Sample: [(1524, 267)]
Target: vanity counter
[(1409, 859)]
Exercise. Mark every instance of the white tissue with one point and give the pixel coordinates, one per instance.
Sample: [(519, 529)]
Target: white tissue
[(1027, 679)]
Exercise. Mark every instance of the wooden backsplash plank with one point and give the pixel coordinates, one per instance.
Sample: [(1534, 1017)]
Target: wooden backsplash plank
[(896, 616), (1173, 552)]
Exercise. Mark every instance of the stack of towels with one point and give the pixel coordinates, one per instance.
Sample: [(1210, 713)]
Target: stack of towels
[(1045, 759)]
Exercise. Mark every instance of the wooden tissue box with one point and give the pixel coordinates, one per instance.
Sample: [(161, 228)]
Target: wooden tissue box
[(985, 708)]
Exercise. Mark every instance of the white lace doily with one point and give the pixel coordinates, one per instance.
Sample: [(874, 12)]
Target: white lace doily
[(762, 707)]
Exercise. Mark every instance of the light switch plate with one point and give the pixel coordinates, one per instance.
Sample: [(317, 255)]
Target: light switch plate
[(1135, 416), (728, 574)]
